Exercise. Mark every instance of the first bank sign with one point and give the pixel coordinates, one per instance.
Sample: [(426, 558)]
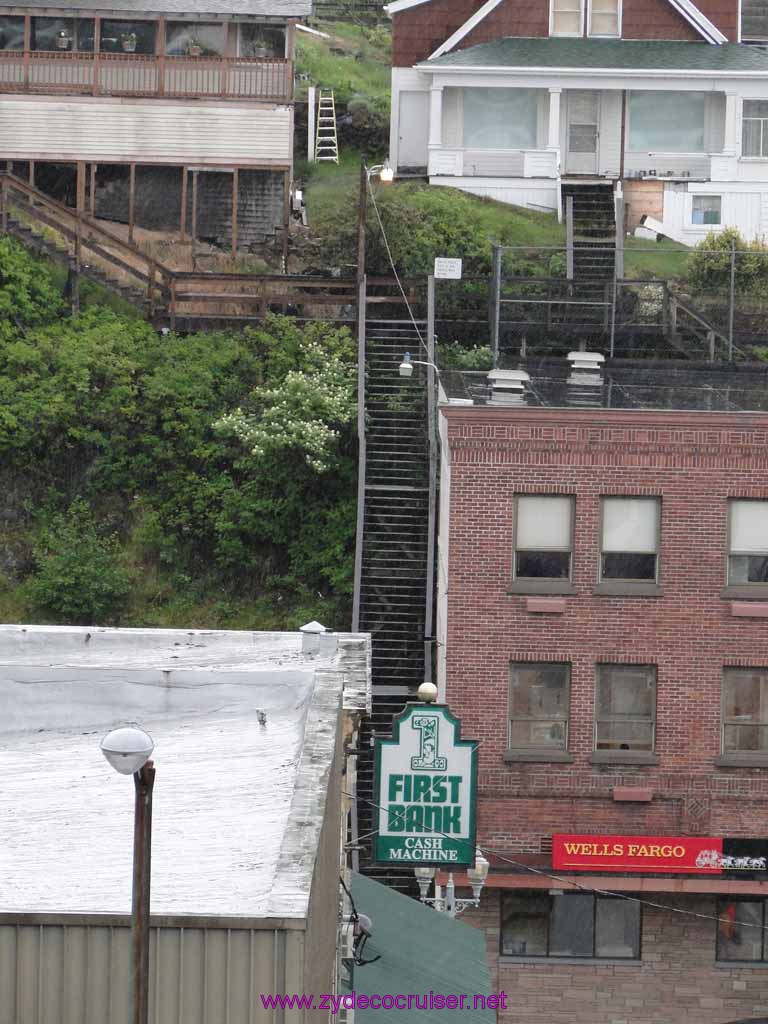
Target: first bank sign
[(426, 790)]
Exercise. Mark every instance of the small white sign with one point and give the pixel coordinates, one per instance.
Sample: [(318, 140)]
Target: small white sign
[(446, 268)]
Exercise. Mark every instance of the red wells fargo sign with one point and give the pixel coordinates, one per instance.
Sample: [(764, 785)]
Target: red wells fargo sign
[(692, 855)]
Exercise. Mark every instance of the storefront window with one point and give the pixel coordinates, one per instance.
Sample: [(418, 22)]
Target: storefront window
[(128, 36), (11, 33), (740, 930), (570, 925), (194, 39)]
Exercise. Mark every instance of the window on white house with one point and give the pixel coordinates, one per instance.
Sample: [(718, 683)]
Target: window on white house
[(748, 542), (570, 925), (604, 17), (706, 210), (500, 118), (754, 128), (666, 122), (543, 530), (630, 539), (566, 18), (538, 706), (625, 709), (745, 710)]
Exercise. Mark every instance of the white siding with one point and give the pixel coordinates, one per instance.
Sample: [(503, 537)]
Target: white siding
[(145, 132), (741, 209), (452, 118), (403, 80), (536, 195)]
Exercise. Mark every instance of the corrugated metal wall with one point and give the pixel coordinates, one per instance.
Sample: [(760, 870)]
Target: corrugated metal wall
[(155, 131), (80, 974)]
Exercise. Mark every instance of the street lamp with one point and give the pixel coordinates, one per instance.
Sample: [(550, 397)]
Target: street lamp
[(448, 904), (386, 175), (128, 750), (406, 367)]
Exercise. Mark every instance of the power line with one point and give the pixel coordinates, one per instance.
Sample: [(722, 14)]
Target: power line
[(570, 882)]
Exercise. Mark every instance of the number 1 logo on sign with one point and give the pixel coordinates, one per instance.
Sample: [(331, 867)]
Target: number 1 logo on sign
[(426, 790)]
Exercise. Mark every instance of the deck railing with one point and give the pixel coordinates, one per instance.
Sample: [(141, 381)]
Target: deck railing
[(131, 74)]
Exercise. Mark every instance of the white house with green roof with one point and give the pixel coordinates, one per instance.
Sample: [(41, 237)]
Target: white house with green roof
[(658, 97)]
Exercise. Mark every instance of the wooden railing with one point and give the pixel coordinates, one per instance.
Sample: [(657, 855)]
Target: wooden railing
[(179, 298), (132, 74)]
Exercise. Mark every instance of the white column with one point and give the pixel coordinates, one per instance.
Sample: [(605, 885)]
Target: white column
[(553, 130), (731, 142), (435, 116), (553, 134)]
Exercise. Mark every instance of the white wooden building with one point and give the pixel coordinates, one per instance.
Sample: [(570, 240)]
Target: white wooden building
[(510, 111)]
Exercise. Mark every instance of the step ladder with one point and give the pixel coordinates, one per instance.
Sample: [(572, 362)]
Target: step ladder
[(326, 142)]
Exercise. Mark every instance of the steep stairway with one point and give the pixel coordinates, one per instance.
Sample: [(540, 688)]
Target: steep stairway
[(394, 556), (594, 248)]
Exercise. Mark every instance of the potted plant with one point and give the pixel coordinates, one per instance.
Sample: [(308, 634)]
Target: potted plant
[(128, 42), (63, 39), (194, 47)]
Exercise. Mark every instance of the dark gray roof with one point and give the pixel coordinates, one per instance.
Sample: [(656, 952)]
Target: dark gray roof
[(621, 54), (641, 386), (197, 8)]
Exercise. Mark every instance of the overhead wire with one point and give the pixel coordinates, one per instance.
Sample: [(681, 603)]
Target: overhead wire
[(570, 882)]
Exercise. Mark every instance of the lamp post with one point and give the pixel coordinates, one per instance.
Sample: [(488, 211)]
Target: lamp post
[(448, 904), (387, 176), (128, 750)]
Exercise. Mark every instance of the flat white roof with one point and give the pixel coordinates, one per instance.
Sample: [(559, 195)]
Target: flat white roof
[(238, 805)]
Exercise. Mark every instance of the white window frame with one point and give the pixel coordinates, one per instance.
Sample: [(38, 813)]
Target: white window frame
[(603, 35), (566, 35), (763, 155), (731, 553), (703, 225)]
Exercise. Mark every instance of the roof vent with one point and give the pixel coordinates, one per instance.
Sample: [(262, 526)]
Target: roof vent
[(310, 637), (508, 387), (589, 362)]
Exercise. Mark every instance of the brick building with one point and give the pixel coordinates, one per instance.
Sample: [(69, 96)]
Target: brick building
[(602, 614)]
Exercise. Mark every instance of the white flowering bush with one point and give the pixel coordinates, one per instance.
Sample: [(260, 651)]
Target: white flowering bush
[(305, 411)]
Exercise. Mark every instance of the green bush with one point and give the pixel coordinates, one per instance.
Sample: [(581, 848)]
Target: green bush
[(78, 577), (709, 266)]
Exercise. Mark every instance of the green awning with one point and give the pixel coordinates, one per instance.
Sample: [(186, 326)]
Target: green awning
[(420, 951), (608, 54)]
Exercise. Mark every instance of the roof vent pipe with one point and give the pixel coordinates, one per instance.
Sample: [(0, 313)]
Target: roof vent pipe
[(508, 387), (589, 362)]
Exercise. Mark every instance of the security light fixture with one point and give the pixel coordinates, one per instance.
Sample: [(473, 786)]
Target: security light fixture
[(477, 875), (406, 367), (384, 171), (427, 692), (127, 749)]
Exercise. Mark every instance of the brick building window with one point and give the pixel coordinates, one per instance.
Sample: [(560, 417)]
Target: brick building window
[(538, 706), (569, 925), (745, 710), (630, 539), (741, 930), (625, 707), (566, 18), (748, 542), (543, 537)]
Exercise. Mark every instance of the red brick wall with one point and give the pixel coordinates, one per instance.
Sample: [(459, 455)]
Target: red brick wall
[(675, 980), (417, 32), (694, 463)]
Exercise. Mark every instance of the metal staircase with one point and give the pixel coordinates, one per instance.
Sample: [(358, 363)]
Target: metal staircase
[(326, 141), (393, 579)]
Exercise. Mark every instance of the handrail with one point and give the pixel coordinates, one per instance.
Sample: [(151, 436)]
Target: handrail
[(132, 74)]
